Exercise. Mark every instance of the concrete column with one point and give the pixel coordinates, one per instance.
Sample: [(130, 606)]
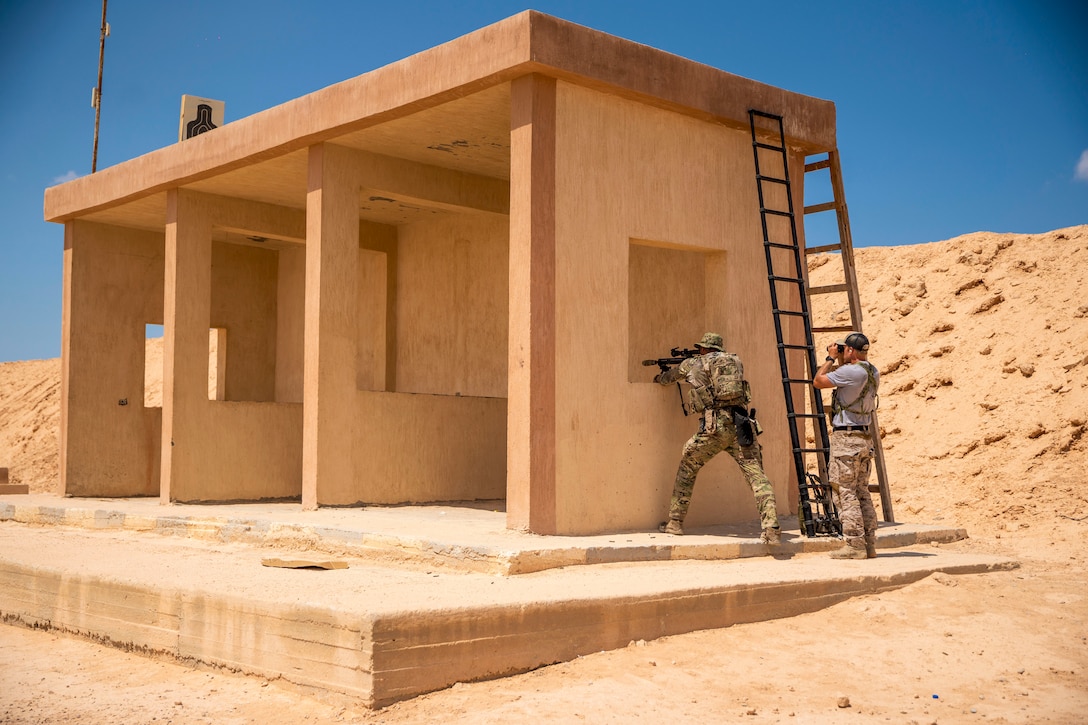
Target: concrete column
[(531, 433), (186, 319), (332, 270), (70, 347)]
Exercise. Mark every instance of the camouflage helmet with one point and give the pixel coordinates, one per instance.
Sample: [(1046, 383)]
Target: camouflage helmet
[(711, 341)]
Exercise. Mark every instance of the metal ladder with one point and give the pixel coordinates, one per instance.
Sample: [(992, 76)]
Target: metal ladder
[(787, 273), (845, 249)]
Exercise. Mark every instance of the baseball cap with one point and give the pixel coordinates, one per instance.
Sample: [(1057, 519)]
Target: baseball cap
[(857, 341)]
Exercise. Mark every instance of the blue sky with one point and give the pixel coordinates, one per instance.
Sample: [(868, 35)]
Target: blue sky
[(954, 116)]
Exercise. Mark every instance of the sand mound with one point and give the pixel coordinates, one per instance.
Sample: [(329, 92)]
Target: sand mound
[(982, 342)]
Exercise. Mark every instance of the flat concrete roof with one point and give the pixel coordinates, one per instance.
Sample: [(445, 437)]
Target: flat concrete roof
[(446, 107)]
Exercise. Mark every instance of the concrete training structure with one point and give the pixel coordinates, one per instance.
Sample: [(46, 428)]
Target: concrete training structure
[(434, 282)]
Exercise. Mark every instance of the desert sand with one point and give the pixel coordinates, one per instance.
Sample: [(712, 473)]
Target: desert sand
[(982, 343)]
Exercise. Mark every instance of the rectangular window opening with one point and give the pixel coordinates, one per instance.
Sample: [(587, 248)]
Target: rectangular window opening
[(153, 365)]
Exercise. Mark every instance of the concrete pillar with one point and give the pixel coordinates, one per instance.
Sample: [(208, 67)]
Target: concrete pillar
[(332, 270), (186, 319), (531, 433)]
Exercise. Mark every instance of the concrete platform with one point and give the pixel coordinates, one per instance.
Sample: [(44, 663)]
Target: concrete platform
[(432, 595)]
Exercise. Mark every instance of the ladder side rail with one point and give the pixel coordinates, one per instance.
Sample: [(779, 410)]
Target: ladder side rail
[(846, 249), (806, 516), (842, 216), (814, 500)]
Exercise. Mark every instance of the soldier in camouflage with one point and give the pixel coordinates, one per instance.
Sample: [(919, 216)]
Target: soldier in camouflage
[(717, 390)]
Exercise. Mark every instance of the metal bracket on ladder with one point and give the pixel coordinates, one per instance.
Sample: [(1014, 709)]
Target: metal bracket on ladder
[(786, 274)]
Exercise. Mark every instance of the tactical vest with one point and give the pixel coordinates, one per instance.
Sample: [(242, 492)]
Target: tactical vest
[(867, 400)]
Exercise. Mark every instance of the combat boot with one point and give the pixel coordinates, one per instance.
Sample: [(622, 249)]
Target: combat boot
[(849, 552), (672, 526), (771, 536), (870, 547)]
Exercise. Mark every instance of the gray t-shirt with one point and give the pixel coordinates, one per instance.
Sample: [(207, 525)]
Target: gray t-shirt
[(849, 381)]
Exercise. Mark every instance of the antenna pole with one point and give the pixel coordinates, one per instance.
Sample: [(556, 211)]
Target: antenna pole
[(98, 89)]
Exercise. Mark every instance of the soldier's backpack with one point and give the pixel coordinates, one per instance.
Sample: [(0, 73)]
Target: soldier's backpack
[(726, 373)]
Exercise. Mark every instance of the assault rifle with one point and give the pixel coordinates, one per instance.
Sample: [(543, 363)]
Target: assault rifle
[(679, 355)]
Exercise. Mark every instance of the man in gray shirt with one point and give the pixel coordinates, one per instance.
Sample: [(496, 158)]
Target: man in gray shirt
[(855, 382)]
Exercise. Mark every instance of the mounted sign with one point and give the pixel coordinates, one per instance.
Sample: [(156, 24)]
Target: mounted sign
[(199, 115)]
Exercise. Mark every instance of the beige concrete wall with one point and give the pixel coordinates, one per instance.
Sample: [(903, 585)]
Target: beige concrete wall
[(244, 293), (651, 202), (219, 450), (415, 448), (290, 318), (376, 314), (452, 282), (441, 286), (113, 283)]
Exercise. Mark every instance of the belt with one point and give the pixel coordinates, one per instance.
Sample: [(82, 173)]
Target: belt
[(852, 427)]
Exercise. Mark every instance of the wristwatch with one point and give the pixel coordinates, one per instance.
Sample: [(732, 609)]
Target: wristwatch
[(829, 359)]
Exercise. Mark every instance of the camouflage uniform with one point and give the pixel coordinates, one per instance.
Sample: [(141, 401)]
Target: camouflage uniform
[(848, 473), (717, 433)]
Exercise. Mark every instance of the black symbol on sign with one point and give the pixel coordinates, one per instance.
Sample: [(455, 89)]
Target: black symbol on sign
[(202, 122)]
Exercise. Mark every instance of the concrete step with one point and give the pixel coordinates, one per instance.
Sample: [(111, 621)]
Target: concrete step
[(467, 536), (385, 631)]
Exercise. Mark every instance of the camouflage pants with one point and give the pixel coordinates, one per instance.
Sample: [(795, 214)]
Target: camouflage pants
[(701, 448), (848, 473)]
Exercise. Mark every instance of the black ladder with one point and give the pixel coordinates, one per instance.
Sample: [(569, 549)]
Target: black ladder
[(844, 247), (786, 275)]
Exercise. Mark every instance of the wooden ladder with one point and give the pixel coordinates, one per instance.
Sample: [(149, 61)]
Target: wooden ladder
[(849, 286)]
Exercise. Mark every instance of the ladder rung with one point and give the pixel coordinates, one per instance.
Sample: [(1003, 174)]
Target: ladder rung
[(777, 278), (775, 179), (806, 381), (874, 488), (817, 165), (786, 346), (769, 147), (833, 328), (824, 248), (810, 450), (776, 212), (789, 313), (817, 208), (828, 289), (814, 416), (780, 245)]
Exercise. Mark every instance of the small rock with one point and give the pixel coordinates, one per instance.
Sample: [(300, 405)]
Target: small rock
[(844, 702)]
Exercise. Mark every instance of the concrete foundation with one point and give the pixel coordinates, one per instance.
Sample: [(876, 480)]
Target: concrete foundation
[(187, 582)]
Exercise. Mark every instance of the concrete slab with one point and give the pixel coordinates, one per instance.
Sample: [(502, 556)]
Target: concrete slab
[(462, 536), (188, 582)]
